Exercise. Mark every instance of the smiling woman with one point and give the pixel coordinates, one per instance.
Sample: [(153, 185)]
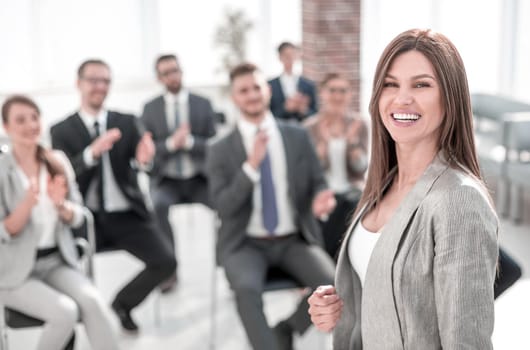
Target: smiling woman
[(418, 261)]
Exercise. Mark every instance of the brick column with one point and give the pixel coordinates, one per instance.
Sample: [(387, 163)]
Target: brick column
[(331, 40)]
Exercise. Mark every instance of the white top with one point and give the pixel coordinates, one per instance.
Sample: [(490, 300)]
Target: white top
[(115, 200), (276, 149), (289, 84), (336, 174), (360, 248), (43, 214)]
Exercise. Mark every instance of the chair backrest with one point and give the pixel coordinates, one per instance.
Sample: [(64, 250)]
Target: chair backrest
[(517, 131)]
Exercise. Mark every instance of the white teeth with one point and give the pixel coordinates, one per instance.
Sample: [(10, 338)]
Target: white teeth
[(405, 117)]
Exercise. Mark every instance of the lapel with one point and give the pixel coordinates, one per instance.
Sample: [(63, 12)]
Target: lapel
[(279, 88), (160, 120), (80, 129), (192, 113), (15, 185), (380, 267), (289, 149)]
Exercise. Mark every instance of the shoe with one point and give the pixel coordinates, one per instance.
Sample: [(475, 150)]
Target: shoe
[(168, 285), (126, 320), (284, 335)]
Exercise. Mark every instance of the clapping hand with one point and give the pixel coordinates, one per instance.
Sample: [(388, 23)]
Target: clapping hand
[(105, 142), (324, 203), (259, 149), (145, 150), (57, 189)]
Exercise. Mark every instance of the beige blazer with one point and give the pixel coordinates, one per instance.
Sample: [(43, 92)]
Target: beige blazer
[(18, 253), (429, 283)]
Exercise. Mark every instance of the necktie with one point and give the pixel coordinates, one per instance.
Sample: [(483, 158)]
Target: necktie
[(101, 201), (268, 196)]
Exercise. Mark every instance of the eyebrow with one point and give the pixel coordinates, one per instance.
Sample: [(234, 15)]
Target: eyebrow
[(419, 76)]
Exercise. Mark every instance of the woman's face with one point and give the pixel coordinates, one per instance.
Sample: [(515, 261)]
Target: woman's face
[(336, 96), (410, 105), (23, 125)]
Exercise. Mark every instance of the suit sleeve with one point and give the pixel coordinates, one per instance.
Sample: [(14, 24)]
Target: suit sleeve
[(465, 256), (60, 142), (207, 128), (313, 105), (229, 192)]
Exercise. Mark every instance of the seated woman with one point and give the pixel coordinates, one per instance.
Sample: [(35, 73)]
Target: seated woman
[(39, 202), (341, 142)]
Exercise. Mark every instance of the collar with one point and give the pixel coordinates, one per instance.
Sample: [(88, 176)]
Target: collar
[(181, 97), (89, 119), (247, 128)]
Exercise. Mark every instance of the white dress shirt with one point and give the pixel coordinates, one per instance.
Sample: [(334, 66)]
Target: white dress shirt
[(113, 197), (289, 84), (276, 150), (44, 214), (181, 101), (361, 245)]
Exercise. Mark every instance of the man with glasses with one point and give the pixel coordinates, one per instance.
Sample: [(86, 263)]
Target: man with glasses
[(181, 123), (106, 150)]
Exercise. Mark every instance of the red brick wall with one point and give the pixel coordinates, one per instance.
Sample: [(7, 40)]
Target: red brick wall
[(331, 40)]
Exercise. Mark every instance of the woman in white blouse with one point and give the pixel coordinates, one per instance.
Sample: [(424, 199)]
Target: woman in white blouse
[(341, 140), (39, 202), (417, 266)]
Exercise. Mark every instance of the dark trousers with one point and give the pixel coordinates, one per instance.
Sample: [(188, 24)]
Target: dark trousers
[(335, 227), (141, 238), (174, 191), (246, 270), (509, 272)]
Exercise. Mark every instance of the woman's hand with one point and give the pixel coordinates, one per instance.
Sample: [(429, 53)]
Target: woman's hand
[(57, 189), (325, 308)]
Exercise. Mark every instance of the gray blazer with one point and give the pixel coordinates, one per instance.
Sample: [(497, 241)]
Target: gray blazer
[(202, 127), (231, 189), (429, 283), (18, 253)]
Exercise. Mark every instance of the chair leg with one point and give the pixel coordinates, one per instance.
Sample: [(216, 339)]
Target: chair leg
[(3, 330), (213, 307), (157, 308)]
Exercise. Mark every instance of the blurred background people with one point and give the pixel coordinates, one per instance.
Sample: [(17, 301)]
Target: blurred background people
[(267, 186), (293, 96), (181, 123), (341, 141), (106, 149), (39, 203)]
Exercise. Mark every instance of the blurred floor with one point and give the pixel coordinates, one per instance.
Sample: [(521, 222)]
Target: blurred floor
[(183, 321)]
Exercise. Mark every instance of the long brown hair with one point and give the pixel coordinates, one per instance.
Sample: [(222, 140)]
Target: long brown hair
[(456, 137), (52, 164)]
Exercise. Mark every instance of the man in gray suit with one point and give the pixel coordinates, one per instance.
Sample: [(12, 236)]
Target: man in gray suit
[(267, 187), (181, 123)]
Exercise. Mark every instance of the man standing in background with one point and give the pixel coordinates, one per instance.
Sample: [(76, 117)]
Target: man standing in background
[(293, 96), (181, 123)]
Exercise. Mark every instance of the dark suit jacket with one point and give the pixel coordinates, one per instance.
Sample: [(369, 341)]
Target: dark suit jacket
[(305, 86), (202, 125), (231, 189), (72, 137)]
